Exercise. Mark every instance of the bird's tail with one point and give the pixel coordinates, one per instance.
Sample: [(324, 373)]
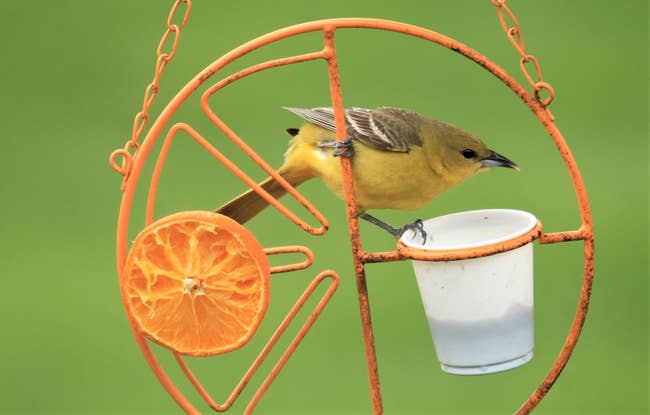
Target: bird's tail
[(247, 205)]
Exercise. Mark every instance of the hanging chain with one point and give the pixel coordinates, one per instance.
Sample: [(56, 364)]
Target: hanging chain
[(511, 27), (141, 118)]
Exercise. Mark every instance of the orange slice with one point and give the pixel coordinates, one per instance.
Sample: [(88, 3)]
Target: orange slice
[(196, 282)]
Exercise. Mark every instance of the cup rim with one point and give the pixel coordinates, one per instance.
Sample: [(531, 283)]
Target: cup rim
[(532, 221)]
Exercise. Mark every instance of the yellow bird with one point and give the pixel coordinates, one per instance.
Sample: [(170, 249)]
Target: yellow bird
[(400, 160)]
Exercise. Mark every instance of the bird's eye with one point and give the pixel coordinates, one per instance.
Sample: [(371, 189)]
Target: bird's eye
[(468, 154)]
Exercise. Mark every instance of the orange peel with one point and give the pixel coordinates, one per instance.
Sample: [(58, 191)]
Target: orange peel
[(197, 283)]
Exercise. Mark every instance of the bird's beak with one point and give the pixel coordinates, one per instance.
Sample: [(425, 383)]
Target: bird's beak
[(495, 160)]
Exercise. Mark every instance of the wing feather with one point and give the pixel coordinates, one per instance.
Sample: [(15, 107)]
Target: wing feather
[(388, 129)]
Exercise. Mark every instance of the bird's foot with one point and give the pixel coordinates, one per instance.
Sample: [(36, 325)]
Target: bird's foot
[(416, 226), (344, 148), (341, 148)]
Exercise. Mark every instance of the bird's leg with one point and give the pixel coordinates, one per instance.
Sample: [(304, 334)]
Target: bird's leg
[(341, 148), (417, 226)]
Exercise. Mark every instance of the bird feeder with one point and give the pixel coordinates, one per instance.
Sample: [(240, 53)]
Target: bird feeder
[(496, 244)]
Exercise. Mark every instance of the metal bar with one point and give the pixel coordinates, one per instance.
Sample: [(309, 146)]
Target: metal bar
[(586, 233), (457, 254), (237, 171), (301, 334), (574, 333), (353, 223), (261, 67), (160, 373), (550, 238), (309, 258), (216, 120), (269, 346)]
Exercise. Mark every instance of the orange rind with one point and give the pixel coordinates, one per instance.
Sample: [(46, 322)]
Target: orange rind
[(197, 283)]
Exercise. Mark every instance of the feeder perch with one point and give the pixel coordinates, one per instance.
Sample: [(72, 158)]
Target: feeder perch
[(502, 247)]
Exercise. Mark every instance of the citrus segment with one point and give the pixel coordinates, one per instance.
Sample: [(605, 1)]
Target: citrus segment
[(197, 283)]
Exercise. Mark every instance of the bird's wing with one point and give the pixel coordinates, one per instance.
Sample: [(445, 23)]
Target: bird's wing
[(385, 129)]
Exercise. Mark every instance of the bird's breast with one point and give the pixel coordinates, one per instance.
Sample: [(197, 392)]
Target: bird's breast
[(382, 180)]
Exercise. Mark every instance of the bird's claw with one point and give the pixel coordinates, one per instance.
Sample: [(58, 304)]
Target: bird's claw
[(343, 148), (416, 226)]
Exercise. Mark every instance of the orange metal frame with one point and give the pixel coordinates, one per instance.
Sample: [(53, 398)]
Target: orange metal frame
[(132, 165)]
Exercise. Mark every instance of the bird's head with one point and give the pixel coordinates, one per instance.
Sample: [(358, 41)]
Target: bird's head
[(462, 154)]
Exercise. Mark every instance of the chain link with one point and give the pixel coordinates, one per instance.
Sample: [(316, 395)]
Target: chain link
[(511, 27), (127, 153)]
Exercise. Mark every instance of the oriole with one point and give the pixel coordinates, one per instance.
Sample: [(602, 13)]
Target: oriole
[(400, 160)]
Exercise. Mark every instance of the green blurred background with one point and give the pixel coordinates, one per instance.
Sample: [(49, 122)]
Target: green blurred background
[(73, 74)]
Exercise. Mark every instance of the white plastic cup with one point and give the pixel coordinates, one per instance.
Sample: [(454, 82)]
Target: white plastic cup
[(480, 310)]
